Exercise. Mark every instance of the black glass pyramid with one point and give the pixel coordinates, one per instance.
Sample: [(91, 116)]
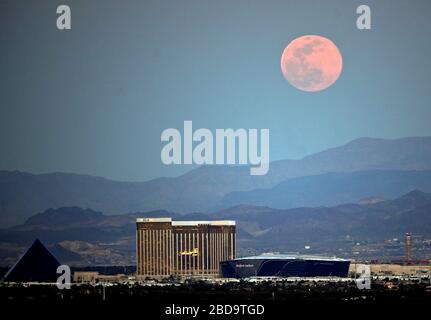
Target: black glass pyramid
[(37, 264)]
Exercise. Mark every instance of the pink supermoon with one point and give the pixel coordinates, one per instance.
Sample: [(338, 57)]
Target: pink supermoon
[(311, 63)]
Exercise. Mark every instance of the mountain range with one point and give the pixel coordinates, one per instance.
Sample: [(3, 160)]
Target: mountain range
[(86, 237), (362, 168)]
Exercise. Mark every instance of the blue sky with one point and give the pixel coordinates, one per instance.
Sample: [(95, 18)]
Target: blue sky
[(95, 99)]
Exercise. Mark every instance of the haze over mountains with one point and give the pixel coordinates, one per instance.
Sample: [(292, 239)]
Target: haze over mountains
[(87, 237), (330, 189), (363, 168)]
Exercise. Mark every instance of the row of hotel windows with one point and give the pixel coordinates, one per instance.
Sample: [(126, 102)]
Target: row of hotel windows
[(167, 252)]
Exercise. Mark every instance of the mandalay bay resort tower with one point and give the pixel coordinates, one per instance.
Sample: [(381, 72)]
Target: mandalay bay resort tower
[(183, 248)]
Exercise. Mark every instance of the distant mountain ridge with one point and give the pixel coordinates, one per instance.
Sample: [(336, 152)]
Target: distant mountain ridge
[(90, 237), (330, 189), (64, 217), (205, 188)]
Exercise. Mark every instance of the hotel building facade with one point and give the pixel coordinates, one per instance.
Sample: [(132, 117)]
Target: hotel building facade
[(183, 248)]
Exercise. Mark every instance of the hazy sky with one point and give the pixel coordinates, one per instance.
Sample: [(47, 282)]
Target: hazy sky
[(95, 99)]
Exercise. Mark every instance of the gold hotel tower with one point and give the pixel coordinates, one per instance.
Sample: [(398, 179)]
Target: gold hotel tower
[(183, 248)]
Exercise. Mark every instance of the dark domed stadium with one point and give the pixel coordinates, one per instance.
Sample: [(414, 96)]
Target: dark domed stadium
[(284, 266)]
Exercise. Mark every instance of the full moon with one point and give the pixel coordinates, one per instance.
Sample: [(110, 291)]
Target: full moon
[(311, 63)]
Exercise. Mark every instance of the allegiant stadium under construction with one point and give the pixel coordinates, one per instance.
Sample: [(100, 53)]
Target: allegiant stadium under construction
[(284, 266)]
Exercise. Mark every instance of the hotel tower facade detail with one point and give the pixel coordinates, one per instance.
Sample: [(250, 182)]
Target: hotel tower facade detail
[(183, 248)]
